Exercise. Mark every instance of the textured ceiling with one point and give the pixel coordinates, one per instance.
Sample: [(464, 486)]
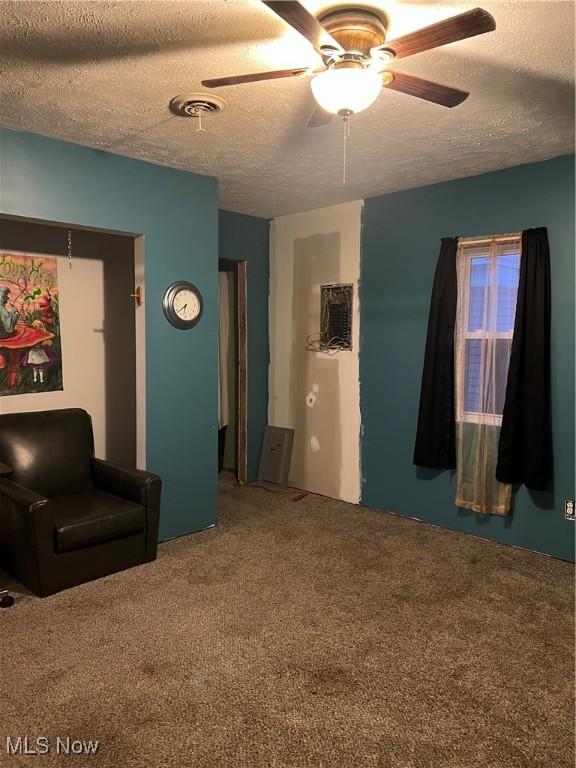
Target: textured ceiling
[(102, 74)]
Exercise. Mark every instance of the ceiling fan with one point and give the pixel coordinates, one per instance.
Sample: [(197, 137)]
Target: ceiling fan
[(355, 54)]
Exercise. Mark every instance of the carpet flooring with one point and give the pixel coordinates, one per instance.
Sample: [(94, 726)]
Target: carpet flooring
[(309, 634)]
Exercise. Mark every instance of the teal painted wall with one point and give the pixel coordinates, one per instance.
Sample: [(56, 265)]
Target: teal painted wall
[(177, 213), (400, 243), (246, 238)]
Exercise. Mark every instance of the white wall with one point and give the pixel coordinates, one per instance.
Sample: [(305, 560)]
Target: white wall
[(326, 456)]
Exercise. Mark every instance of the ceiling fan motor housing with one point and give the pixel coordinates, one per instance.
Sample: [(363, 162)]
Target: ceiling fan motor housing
[(358, 30)]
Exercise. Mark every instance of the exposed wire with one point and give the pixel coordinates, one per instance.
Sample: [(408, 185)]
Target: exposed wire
[(294, 492), (332, 347), (335, 320)]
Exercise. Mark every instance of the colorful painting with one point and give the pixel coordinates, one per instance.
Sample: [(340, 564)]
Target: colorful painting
[(30, 345)]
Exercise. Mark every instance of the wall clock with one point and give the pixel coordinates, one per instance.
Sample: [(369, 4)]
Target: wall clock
[(182, 305)]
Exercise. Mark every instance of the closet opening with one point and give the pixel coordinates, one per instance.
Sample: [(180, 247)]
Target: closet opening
[(78, 287)]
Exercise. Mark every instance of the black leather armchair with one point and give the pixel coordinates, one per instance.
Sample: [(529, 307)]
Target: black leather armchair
[(65, 516)]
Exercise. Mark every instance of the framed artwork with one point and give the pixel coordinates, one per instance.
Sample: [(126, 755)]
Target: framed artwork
[(30, 343)]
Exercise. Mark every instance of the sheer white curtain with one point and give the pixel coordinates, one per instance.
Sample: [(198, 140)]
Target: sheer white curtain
[(488, 272)]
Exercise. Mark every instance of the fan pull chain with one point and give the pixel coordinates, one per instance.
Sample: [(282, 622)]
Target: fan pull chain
[(70, 248), (345, 138), (200, 128)]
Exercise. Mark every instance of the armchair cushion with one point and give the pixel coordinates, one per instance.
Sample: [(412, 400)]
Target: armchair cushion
[(84, 519)]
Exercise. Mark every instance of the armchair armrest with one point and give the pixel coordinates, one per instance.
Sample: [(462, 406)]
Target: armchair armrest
[(21, 497), (133, 485), (130, 484), (26, 532)]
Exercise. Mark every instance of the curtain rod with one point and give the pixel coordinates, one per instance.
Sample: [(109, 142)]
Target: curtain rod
[(497, 238)]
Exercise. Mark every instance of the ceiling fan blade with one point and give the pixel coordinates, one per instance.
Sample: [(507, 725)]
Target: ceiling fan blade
[(319, 117), (218, 82), (426, 89), (304, 22), (469, 24)]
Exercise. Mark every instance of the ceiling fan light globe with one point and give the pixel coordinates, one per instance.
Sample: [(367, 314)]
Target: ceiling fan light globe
[(346, 90)]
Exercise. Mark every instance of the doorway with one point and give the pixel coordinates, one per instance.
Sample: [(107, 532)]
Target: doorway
[(233, 351)]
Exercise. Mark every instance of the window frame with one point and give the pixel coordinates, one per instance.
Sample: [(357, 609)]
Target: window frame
[(472, 244)]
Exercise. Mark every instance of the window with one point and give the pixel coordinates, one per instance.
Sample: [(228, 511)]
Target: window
[(487, 368), (488, 273)]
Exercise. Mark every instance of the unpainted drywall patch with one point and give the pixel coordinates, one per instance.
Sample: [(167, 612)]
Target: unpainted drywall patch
[(314, 379)]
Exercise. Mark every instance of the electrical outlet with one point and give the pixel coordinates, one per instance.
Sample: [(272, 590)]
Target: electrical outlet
[(570, 509)]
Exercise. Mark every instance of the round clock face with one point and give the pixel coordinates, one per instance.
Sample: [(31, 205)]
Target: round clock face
[(182, 305), (186, 305)]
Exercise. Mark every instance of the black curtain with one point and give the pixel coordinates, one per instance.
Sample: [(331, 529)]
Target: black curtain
[(524, 450), (436, 435)]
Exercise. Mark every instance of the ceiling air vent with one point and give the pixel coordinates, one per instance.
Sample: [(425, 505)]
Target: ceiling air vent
[(198, 105)]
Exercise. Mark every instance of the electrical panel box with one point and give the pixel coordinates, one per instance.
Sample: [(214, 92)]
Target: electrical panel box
[(276, 455), (336, 316)]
